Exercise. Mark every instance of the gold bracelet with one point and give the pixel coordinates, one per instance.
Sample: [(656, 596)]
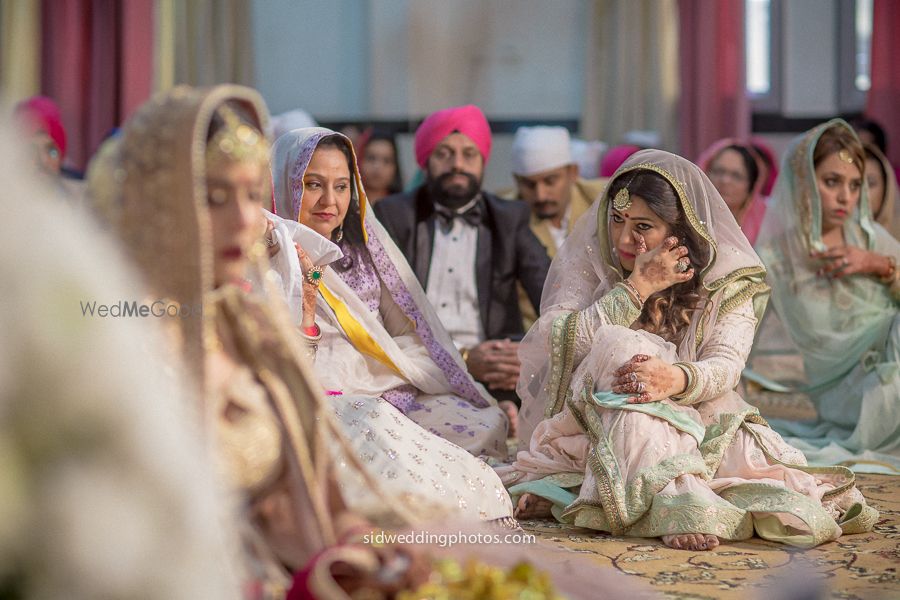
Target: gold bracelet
[(691, 384), (633, 290), (464, 352)]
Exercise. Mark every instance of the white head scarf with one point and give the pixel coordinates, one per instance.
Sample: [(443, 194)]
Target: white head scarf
[(291, 120)]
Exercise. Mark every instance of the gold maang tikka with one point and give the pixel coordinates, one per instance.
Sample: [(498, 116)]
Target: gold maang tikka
[(236, 141), (622, 200), (845, 156)]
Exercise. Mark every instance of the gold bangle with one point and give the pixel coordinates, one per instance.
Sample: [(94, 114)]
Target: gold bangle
[(633, 291), (464, 352), (690, 384)]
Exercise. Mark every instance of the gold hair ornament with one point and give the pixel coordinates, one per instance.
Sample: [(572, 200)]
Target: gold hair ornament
[(622, 200), (845, 156), (236, 141)]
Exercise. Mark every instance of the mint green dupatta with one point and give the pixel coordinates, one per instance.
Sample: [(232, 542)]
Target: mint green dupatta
[(847, 329)]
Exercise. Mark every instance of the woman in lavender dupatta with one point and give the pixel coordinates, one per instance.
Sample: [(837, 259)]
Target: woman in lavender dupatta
[(398, 385)]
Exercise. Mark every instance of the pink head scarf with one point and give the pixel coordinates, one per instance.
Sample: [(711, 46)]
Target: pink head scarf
[(771, 164), (614, 158), (468, 120), (752, 214), (40, 113)]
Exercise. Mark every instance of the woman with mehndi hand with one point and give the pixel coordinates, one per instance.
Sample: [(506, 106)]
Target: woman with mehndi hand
[(630, 423)]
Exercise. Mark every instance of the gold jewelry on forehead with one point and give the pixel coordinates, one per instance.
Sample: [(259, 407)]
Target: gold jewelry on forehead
[(236, 141), (845, 156), (622, 200)]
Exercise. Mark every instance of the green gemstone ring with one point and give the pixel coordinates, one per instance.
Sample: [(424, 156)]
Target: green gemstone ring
[(314, 275)]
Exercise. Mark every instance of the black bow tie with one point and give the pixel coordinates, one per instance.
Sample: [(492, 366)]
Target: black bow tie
[(472, 215)]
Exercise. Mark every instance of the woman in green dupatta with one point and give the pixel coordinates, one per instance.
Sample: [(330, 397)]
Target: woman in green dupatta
[(630, 422), (835, 287)]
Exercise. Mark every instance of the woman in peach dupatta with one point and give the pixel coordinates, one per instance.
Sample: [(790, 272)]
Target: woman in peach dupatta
[(884, 195), (739, 173)]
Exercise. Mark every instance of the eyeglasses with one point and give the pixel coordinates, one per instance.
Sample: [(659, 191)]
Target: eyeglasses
[(721, 174)]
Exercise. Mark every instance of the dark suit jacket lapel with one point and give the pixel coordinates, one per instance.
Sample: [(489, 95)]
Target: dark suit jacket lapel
[(424, 237), (483, 265)]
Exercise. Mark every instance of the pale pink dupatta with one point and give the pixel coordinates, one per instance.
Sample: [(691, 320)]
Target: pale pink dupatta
[(751, 215), (664, 468)]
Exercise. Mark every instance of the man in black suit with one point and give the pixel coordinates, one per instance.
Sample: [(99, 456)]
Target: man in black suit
[(468, 248)]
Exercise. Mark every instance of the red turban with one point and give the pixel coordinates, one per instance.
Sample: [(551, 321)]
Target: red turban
[(40, 113), (468, 120)]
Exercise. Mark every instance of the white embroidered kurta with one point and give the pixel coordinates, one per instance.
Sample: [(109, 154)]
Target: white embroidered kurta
[(340, 366)]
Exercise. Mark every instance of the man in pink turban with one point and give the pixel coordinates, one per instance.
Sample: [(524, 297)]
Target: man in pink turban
[(470, 249), (40, 119), (614, 158)]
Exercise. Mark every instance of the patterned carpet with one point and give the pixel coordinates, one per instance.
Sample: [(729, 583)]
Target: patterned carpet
[(857, 567)]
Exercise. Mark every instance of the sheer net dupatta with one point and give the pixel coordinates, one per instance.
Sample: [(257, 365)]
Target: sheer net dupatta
[(833, 322), (586, 268)]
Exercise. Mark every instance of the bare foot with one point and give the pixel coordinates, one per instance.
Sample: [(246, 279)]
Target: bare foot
[(512, 413), (691, 541), (530, 506)]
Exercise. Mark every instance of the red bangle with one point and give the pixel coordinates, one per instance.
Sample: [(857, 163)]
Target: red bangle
[(312, 331)]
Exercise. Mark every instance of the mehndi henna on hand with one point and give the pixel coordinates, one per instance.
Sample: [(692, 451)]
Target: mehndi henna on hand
[(660, 378), (641, 399), (658, 268), (629, 366), (628, 388), (649, 382)]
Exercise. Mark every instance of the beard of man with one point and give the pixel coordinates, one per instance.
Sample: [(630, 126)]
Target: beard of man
[(547, 209), (453, 195)]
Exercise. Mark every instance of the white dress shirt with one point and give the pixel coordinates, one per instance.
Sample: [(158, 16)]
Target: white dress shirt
[(560, 233), (452, 288)]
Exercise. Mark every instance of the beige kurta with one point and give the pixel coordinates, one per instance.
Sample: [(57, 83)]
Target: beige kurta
[(584, 192)]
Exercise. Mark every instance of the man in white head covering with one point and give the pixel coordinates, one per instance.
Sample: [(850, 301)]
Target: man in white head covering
[(291, 120), (546, 177)]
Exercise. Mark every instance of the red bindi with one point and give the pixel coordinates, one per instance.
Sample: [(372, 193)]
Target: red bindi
[(627, 216)]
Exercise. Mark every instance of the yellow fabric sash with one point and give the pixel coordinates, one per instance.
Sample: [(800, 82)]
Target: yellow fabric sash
[(358, 335)]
